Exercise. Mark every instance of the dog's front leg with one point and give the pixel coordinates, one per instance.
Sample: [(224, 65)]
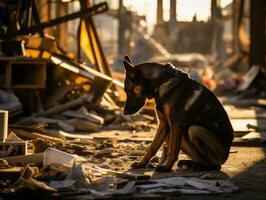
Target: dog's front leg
[(174, 148), (155, 145)]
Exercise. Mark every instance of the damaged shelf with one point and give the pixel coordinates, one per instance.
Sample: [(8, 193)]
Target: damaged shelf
[(26, 73)]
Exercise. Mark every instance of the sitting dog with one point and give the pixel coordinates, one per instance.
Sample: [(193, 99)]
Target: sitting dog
[(191, 118)]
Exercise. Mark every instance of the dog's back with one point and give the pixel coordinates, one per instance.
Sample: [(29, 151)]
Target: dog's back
[(197, 103), (207, 111)]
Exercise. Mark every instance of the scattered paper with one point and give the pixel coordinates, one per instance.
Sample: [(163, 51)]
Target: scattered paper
[(189, 186)]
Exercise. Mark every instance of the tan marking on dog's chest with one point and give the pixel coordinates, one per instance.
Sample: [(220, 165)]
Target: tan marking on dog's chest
[(165, 87), (192, 99), (166, 109)]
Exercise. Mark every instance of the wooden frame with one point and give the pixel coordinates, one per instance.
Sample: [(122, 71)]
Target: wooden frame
[(24, 74)]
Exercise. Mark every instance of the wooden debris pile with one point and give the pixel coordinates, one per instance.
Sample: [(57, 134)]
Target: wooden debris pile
[(94, 168)]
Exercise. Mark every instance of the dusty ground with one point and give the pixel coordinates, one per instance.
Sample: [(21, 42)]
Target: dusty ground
[(117, 149), (247, 169), (246, 166)]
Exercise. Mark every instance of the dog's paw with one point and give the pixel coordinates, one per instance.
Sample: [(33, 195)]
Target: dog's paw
[(194, 166), (162, 168), (137, 165)]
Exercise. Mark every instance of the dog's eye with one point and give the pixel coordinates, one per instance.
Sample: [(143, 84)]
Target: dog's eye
[(137, 89)]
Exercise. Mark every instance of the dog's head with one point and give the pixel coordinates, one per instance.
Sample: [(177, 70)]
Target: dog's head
[(134, 88)]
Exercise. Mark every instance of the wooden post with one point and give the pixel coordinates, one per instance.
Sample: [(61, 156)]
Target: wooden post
[(172, 12), (99, 57), (159, 11), (213, 9), (3, 125), (121, 30), (257, 33), (62, 33), (173, 30), (45, 13), (235, 28), (124, 27)]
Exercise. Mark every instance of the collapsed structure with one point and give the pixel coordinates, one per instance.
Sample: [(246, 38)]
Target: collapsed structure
[(61, 122)]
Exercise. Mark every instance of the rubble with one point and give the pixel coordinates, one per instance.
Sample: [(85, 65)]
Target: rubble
[(101, 173), (10, 102), (67, 137)]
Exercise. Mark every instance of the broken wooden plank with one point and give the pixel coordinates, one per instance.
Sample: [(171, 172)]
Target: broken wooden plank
[(25, 159), (84, 115), (59, 108), (12, 173), (62, 107), (39, 127), (55, 123), (34, 135), (100, 82), (82, 125)]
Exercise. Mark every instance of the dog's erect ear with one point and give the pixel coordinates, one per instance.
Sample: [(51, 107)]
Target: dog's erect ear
[(128, 59), (130, 71)]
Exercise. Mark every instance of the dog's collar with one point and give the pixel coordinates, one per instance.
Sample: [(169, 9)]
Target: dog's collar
[(169, 78), (171, 83), (167, 86), (154, 85)]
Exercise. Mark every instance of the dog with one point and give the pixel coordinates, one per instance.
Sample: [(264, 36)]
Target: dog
[(190, 116)]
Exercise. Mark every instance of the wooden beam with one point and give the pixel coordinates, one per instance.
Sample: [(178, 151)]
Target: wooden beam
[(257, 33), (98, 54), (235, 17), (61, 29), (98, 8), (159, 11), (121, 30), (172, 12), (213, 10), (44, 7)]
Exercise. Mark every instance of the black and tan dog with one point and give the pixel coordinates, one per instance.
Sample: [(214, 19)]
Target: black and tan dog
[(191, 118)]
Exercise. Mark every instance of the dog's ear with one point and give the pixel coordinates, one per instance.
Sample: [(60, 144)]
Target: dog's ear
[(130, 71), (127, 59)]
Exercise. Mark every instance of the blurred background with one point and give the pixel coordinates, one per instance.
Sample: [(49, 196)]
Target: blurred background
[(220, 43)]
